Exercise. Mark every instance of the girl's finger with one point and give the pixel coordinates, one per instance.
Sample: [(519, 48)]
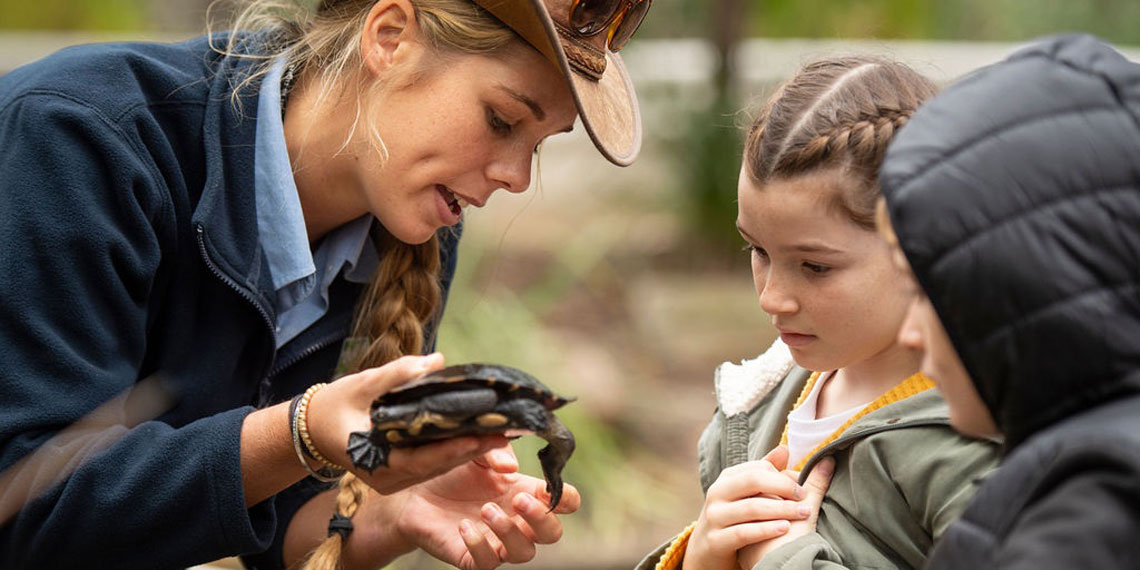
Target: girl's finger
[(755, 509), (778, 457), (754, 478), (742, 535)]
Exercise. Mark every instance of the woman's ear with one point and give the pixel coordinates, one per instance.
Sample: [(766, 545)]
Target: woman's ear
[(390, 30)]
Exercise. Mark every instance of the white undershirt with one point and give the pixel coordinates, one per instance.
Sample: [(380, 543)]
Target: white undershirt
[(805, 430)]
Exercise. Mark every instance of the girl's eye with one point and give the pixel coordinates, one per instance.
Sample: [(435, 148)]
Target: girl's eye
[(816, 268), (756, 250), (497, 124)]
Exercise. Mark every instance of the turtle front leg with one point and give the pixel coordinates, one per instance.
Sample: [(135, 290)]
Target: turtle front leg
[(367, 452), (554, 456)]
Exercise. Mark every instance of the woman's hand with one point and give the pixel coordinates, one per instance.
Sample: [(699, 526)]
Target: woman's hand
[(815, 488), (344, 407), (475, 517), (749, 503)]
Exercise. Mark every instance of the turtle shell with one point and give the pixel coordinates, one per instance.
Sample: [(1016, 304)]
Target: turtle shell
[(466, 399), (509, 382)]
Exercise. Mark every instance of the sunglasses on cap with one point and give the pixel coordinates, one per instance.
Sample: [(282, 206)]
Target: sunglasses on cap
[(620, 17)]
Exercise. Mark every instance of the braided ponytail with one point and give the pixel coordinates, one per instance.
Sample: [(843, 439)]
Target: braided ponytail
[(404, 295), (837, 113)]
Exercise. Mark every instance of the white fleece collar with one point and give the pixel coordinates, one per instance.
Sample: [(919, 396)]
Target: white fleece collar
[(739, 387)]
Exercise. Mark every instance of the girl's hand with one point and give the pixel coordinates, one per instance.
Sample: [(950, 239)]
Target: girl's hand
[(482, 514), (344, 407), (749, 503), (815, 487)]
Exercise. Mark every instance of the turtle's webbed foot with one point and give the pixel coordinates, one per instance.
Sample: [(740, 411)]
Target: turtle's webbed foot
[(553, 457), (366, 453)]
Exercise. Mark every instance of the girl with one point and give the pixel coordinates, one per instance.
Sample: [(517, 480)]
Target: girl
[(836, 390), (209, 214)]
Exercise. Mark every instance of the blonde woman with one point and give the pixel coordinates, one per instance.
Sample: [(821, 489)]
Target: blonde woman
[(213, 213)]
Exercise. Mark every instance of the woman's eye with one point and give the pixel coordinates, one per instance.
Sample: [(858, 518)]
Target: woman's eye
[(497, 124), (816, 268)]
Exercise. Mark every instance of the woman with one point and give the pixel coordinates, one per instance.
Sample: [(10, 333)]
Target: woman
[(210, 214)]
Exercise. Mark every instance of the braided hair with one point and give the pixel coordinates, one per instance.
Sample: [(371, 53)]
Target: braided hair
[(836, 113), (404, 295)]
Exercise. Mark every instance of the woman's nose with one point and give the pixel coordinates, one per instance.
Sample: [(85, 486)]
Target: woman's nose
[(511, 172)]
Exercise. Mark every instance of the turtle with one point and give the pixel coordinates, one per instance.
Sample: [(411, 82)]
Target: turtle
[(466, 399)]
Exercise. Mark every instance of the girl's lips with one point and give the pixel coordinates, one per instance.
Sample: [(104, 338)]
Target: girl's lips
[(796, 339)]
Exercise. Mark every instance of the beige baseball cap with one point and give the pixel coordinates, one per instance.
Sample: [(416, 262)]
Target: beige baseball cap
[(602, 89)]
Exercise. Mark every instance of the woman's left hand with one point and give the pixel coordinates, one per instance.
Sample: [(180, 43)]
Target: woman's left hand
[(815, 487), (482, 514)]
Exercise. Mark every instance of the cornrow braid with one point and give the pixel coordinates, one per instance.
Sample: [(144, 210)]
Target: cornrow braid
[(836, 114), (865, 141)]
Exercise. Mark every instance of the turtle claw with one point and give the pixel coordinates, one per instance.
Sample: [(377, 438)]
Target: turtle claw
[(553, 458), (365, 453)]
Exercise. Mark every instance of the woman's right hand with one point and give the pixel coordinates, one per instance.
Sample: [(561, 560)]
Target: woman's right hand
[(749, 503), (344, 407)]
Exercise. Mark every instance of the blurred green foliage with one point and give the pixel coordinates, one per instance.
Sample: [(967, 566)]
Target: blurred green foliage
[(73, 15), (970, 20)]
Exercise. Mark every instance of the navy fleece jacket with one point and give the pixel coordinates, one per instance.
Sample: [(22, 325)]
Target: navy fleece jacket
[(129, 248)]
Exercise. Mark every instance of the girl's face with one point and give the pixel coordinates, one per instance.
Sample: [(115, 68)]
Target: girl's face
[(463, 130), (829, 285)]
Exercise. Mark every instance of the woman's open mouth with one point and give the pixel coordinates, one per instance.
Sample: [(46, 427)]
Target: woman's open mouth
[(453, 205)]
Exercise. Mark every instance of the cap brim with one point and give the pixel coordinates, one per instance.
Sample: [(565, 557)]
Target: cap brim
[(608, 106)]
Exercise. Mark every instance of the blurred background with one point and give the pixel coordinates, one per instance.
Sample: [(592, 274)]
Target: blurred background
[(626, 287)]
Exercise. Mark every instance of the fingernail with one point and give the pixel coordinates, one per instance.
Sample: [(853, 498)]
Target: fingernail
[(827, 466), (491, 511), (783, 525), (466, 528), (526, 502), (803, 510), (800, 492)]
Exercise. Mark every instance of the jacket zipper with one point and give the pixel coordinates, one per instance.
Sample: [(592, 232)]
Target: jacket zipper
[(309, 351), (234, 284)]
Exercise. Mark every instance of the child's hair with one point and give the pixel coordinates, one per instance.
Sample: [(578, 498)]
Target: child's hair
[(404, 295), (836, 113)]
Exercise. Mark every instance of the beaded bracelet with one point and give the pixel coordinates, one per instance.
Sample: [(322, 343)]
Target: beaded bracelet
[(303, 444)]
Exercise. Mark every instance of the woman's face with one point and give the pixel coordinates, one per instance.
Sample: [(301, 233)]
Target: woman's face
[(464, 129), (829, 285)]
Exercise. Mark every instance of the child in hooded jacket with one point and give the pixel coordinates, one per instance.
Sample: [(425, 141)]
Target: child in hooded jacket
[(1030, 308), (836, 395)]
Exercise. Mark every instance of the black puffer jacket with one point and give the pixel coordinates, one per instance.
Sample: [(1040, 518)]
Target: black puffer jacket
[(1016, 197)]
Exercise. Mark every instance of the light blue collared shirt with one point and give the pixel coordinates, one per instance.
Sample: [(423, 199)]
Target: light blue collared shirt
[(300, 277)]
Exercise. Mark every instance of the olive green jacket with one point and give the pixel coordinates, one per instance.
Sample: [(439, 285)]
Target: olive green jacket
[(902, 474)]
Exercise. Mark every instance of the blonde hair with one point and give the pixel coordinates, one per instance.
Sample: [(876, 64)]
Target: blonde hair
[(404, 294), (836, 113)]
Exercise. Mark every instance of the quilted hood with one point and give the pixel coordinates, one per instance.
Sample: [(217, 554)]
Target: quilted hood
[(1015, 194)]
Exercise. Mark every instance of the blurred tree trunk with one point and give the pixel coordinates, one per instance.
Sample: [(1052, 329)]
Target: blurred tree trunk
[(728, 22), (714, 139), (187, 15)]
